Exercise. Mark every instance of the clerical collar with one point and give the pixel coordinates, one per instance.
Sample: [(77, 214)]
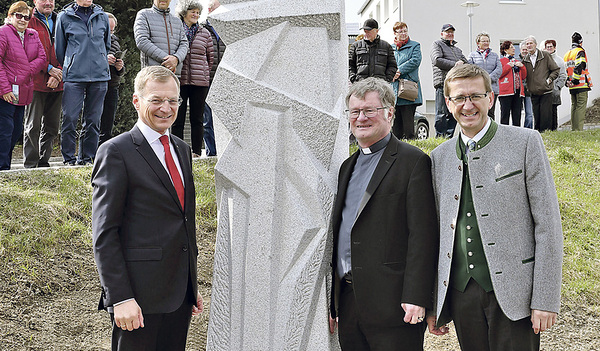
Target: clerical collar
[(377, 146), (479, 135)]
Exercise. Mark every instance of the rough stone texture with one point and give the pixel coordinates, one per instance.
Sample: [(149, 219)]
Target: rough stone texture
[(279, 93)]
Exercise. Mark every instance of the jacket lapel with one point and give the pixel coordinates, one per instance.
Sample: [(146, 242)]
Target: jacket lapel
[(145, 150), (387, 160)]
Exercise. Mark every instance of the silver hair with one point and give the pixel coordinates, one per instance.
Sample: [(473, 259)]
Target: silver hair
[(532, 38), (183, 6), (482, 34), (153, 73), (110, 15), (362, 87)]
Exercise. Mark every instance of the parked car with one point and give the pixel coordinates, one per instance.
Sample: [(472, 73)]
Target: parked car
[(421, 126)]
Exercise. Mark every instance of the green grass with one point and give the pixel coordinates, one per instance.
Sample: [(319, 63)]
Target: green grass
[(43, 212)]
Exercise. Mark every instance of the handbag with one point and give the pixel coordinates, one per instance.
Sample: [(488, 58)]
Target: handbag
[(408, 90)]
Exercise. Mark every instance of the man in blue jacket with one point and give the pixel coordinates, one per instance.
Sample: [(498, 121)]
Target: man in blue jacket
[(82, 42)]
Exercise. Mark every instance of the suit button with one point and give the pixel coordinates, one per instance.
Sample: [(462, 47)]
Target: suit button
[(470, 254), (469, 240), (468, 214), (468, 227), (184, 249), (455, 197), (449, 255), (471, 266)]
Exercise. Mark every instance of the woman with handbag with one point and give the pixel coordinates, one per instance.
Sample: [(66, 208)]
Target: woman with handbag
[(406, 82)]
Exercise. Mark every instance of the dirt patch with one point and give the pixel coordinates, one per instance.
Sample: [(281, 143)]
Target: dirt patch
[(53, 307)]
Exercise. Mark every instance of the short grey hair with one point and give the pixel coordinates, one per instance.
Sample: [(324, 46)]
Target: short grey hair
[(364, 86), (154, 73), (183, 6), (482, 34), (530, 37)]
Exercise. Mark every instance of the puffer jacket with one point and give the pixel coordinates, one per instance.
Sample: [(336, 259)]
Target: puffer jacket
[(491, 64), (218, 49), (408, 58), (40, 80), (444, 54), (199, 60), (20, 62), (540, 80), (371, 59), (81, 47), (158, 34)]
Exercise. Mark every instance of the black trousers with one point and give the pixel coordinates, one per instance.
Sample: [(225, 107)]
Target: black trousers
[(492, 110), (404, 121), (161, 332), (197, 98), (356, 336), (554, 125), (542, 111), (482, 326), (511, 105)]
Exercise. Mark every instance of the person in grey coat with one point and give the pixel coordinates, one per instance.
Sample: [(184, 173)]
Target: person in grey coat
[(160, 37), (559, 83), (500, 252), (444, 56), (485, 58)]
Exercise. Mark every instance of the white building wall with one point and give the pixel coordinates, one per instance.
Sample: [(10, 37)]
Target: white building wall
[(503, 20)]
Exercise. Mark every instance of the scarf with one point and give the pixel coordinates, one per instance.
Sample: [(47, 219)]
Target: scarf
[(190, 32), (485, 52), (400, 43)]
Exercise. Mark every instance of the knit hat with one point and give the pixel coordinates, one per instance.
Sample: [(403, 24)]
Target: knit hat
[(576, 38)]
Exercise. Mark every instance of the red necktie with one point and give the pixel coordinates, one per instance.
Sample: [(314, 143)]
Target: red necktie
[(175, 177)]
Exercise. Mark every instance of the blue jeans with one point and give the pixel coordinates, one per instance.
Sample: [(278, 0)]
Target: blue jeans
[(11, 128), (444, 121), (90, 97), (209, 132), (528, 112)]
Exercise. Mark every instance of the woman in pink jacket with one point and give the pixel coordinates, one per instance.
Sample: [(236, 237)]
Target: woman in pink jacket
[(21, 56)]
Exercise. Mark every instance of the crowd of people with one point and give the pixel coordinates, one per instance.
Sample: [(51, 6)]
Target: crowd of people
[(69, 64), (531, 80), (471, 234)]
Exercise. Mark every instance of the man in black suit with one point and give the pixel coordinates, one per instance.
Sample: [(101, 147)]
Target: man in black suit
[(143, 223), (385, 231)]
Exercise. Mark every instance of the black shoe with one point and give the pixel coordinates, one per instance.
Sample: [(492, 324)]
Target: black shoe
[(70, 163), (84, 163), (43, 164)]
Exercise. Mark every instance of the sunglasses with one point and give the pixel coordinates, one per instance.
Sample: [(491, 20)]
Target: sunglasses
[(22, 16)]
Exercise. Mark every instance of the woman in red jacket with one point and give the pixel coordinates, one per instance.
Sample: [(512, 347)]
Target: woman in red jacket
[(195, 73), (511, 85), (21, 57)]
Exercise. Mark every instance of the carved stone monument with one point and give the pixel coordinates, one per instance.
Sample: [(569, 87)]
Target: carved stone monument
[(279, 93)]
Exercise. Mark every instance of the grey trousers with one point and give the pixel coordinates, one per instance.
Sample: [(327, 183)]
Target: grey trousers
[(42, 119)]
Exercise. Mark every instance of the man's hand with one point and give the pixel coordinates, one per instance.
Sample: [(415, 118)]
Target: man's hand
[(332, 324), (199, 307), (433, 329), (119, 64), (111, 59), (128, 316), (52, 83), (542, 320), (413, 314), (170, 62), (56, 73)]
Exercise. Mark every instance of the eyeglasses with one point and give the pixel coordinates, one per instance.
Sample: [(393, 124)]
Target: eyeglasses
[(459, 100), (401, 31), (22, 16), (369, 112), (159, 102)]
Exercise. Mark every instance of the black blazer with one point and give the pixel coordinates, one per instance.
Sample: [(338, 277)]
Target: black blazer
[(394, 238), (144, 242)]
